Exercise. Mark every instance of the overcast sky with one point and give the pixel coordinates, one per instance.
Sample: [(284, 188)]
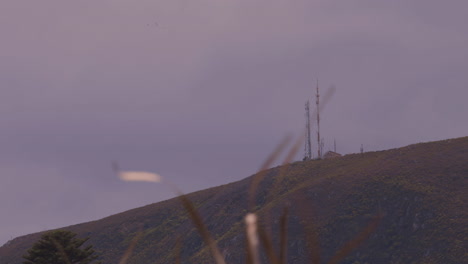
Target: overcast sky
[(201, 91)]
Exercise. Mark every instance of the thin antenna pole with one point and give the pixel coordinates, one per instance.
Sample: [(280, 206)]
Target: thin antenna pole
[(362, 148), (334, 145), (308, 145), (322, 145), (319, 153)]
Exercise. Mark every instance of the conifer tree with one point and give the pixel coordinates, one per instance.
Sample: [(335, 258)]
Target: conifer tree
[(60, 247)]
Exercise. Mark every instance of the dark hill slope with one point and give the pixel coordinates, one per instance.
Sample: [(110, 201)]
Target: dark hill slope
[(421, 190)]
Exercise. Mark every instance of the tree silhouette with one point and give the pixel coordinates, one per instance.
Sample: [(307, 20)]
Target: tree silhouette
[(60, 247)]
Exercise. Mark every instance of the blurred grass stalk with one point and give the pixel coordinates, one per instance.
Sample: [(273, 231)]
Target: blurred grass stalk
[(255, 233)]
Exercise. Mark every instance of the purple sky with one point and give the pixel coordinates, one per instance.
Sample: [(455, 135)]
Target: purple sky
[(201, 91)]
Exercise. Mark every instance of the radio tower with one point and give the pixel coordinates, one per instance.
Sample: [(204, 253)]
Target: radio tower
[(319, 152), (307, 146)]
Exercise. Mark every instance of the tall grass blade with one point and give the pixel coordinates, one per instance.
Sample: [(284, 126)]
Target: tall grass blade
[(284, 168), (130, 248), (198, 222), (306, 214), (178, 250), (325, 99), (358, 240), (257, 178), (252, 238), (268, 245), (284, 235), (290, 156)]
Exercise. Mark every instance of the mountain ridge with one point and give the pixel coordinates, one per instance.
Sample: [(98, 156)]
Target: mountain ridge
[(419, 188)]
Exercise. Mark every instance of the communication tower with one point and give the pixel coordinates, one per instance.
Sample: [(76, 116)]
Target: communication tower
[(307, 144), (319, 152)]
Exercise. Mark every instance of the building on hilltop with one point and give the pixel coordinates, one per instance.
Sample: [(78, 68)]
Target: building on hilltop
[(331, 155)]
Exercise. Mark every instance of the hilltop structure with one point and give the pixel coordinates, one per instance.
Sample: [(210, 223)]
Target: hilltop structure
[(331, 155), (308, 135)]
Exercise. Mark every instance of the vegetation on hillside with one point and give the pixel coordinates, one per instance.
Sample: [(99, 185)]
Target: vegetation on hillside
[(420, 191)]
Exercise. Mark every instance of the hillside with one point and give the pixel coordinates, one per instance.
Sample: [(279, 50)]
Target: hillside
[(421, 190)]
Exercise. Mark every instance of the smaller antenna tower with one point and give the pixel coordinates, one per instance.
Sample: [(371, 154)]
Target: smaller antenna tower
[(322, 145), (362, 148), (308, 145), (319, 152), (334, 145)]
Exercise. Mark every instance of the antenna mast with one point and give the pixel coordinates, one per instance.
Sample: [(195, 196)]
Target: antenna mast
[(307, 146), (319, 152)]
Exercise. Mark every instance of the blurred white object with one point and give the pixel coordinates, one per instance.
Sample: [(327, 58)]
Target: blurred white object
[(252, 236), (139, 176)]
